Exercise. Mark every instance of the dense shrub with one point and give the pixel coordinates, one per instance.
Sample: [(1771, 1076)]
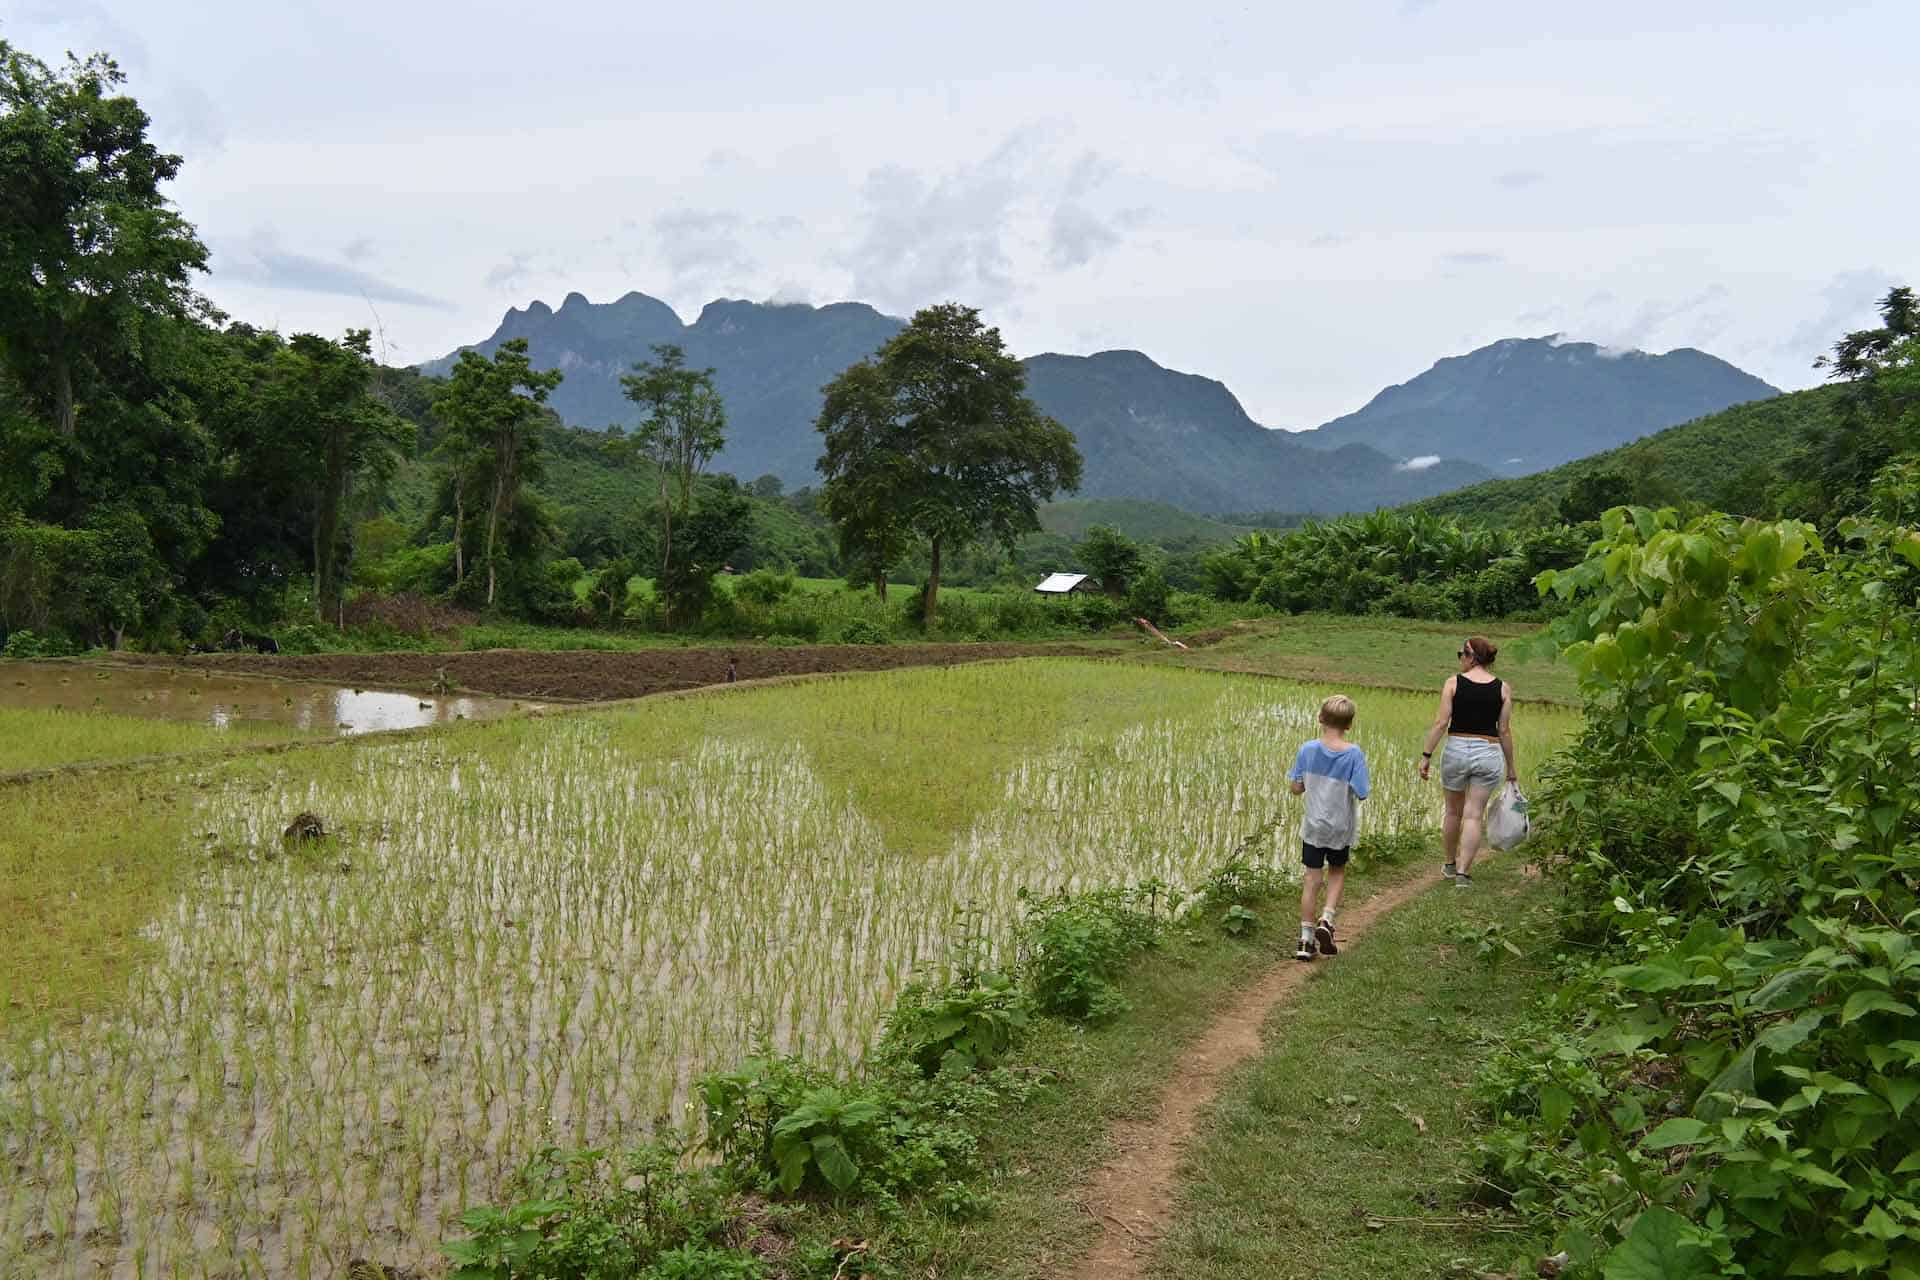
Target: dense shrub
[(1727, 1087), (1409, 565)]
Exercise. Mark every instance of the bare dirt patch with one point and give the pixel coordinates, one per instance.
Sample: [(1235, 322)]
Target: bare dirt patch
[(1131, 1195), (596, 675)]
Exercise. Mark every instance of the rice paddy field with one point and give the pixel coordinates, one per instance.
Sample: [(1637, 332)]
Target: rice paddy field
[(542, 930)]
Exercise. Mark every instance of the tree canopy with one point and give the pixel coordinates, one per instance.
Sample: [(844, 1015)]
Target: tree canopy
[(934, 439)]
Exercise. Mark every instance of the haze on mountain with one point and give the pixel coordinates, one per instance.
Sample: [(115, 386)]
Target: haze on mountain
[(1146, 431), (1525, 404)]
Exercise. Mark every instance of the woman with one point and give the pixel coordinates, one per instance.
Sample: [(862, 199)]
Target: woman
[(1476, 719)]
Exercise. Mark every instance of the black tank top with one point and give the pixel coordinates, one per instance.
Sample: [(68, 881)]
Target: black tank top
[(1476, 707)]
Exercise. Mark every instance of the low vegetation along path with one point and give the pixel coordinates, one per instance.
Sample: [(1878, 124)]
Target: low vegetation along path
[(1131, 1196)]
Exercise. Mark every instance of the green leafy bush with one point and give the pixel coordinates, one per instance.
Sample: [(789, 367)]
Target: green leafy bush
[(1075, 947), (951, 1030), (862, 631), (1729, 1088), (587, 1213)]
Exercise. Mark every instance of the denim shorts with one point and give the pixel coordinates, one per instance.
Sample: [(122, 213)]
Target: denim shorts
[(1472, 762)]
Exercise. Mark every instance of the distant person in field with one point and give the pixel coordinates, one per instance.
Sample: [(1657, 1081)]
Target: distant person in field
[(1332, 773), (1476, 719), (733, 670)]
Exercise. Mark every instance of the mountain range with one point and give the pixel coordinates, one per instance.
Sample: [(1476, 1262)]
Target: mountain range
[(1145, 431), (1525, 404)]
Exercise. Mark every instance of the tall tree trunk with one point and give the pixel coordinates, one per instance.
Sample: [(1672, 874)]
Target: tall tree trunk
[(63, 407), (459, 532), (933, 589), (493, 527), (326, 531), (666, 525)]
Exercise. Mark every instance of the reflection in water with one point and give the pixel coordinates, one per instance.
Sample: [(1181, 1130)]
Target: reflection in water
[(225, 701)]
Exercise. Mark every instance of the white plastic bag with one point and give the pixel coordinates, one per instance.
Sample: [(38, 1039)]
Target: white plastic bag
[(1507, 825)]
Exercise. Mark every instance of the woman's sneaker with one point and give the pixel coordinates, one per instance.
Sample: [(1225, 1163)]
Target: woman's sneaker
[(1323, 938), (1446, 869), (1461, 880)]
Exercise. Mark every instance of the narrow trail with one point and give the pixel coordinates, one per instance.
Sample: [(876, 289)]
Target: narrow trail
[(1131, 1195)]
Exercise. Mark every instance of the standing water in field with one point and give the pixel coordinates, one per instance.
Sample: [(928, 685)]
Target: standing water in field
[(343, 1044), (227, 701)]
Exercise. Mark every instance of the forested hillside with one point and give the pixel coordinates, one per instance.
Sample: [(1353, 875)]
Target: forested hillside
[(1740, 460)]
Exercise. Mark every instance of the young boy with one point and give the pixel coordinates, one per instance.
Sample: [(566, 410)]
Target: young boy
[(1332, 773)]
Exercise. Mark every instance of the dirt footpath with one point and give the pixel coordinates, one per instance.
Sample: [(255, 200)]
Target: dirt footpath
[(592, 675), (1131, 1196)]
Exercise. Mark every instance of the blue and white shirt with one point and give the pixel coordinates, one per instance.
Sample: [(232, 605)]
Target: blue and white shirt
[(1336, 783)]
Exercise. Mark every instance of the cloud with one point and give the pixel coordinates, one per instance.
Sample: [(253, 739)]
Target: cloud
[(703, 245), (1327, 240), (1421, 463), (945, 238), (1075, 237), (509, 274), (1847, 302), (358, 249), (1517, 179), (1472, 259), (262, 262)]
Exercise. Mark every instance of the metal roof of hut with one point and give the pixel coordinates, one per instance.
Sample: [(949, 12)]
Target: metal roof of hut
[(1060, 584)]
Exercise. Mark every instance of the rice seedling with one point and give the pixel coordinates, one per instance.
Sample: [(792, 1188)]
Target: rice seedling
[(533, 932)]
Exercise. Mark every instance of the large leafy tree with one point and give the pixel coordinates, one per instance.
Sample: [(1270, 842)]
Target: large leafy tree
[(320, 397), (1879, 420), (934, 438), (489, 413), (683, 424), (90, 251), (1112, 557)]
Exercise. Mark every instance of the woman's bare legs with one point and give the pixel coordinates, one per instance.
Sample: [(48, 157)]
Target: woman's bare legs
[(1471, 824), (1450, 825)]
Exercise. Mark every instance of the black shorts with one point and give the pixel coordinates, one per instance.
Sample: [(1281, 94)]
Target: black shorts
[(1315, 857)]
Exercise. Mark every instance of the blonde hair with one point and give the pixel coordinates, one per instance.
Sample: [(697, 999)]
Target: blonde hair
[(1337, 712)]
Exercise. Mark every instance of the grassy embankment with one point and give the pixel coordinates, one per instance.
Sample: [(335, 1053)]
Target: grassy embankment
[(1345, 1151), (40, 739), (1384, 653)]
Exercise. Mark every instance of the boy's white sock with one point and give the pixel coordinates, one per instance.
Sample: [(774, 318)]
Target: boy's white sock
[(1327, 915), (1306, 929)]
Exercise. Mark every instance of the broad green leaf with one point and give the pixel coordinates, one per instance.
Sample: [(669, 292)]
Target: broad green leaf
[(1736, 1078), (838, 1167), (1678, 1132), (1556, 1104), (1788, 1035), (793, 1168), (1647, 977), (1862, 1003), (1898, 1092), (1655, 1250)]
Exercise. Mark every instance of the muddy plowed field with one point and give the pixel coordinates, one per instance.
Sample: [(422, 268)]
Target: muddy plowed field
[(590, 676)]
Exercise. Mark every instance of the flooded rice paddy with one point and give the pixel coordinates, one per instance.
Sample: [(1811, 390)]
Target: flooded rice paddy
[(341, 1045), (224, 701)]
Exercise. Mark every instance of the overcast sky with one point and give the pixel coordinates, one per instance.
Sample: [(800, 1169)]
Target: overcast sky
[(1306, 201)]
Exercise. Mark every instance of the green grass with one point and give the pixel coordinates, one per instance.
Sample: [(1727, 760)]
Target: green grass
[(85, 861), (1312, 1164), (1137, 518), (40, 739), (1390, 653), (1038, 1153)]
